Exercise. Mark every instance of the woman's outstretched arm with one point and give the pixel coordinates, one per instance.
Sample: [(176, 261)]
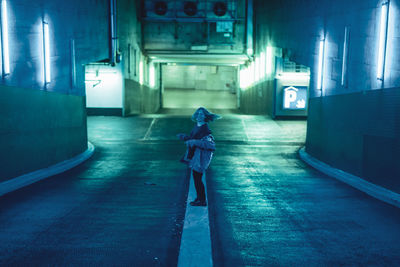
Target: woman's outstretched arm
[(206, 143), (182, 136)]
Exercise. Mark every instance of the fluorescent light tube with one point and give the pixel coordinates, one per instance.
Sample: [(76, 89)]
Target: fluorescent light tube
[(320, 64), (152, 75), (46, 48), (345, 55), (4, 38), (269, 59), (382, 40), (141, 76), (262, 63)]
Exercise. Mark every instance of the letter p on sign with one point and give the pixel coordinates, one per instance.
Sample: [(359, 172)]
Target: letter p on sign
[(290, 96)]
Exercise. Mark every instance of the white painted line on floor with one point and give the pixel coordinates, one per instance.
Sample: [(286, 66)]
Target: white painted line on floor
[(245, 130), (32, 177), (195, 250), (146, 136), (361, 184)]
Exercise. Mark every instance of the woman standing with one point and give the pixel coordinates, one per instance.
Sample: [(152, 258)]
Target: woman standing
[(200, 147)]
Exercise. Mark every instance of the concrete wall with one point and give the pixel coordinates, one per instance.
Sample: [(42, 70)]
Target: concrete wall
[(354, 126), (85, 22), (129, 37), (298, 26), (258, 99), (140, 98), (358, 133), (200, 77), (193, 99), (42, 125), (38, 129)]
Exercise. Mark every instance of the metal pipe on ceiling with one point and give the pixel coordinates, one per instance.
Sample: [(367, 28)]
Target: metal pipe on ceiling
[(113, 37), (249, 27)]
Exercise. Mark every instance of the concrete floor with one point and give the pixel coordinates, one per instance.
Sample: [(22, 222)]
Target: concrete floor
[(268, 208), (125, 206)]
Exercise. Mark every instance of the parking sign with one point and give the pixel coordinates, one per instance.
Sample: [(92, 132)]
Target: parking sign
[(295, 97)]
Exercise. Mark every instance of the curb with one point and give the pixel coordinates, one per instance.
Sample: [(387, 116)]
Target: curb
[(371, 189), (195, 249), (35, 176)]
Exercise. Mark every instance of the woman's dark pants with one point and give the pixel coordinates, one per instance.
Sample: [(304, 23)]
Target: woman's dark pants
[(198, 184)]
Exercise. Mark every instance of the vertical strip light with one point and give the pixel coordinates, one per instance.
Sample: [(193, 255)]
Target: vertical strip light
[(268, 59), (252, 73), (321, 64), (141, 72), (245, 77), (152, 75), (46, 51), (4, 38), (345, 55), (262, 63), (134, 63), (73, 64), (129, 58), (382, 40), (242, 77), (256, 69), (248, 76)]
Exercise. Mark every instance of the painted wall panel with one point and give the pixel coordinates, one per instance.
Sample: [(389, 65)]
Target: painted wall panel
[(43, 125), (358, 133), (38, 129)]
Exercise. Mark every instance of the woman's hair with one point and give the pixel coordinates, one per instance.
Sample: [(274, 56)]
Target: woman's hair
[(208, 116)]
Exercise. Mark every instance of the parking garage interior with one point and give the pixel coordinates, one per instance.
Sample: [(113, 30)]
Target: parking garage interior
[(94, 92)]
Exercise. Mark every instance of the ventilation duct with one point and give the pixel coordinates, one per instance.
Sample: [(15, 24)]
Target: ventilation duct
[(190, 8), (220, 9), (160, 8), (199, 10)]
